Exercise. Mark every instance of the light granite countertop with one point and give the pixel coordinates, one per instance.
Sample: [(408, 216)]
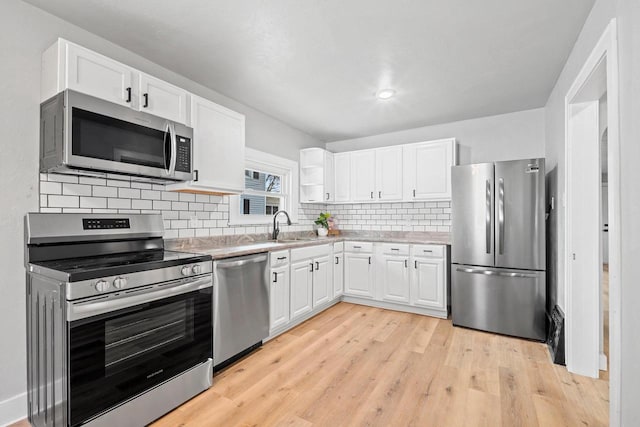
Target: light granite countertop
[(230, 246)]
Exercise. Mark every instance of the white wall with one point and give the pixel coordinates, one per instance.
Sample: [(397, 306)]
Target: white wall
[(627, 13), (26, 33), (503, 137)]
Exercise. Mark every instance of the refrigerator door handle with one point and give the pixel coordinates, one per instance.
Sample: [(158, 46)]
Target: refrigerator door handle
[(488, 216), (500, 216), (496, 273)]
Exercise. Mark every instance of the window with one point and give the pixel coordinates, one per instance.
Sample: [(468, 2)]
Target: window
[(270, 185)]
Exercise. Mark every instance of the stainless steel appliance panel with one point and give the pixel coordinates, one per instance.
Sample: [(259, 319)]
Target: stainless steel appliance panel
[(520, 214), (241, 305), (472, 214), (505, 301)]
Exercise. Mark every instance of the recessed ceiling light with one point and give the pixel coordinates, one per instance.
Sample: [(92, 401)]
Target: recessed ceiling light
[(385, 93)]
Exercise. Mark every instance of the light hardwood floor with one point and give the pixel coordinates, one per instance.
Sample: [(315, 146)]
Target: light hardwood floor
[(356, 366), (361, 366)]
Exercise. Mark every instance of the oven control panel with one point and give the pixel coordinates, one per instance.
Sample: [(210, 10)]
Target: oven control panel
[(125, 282), (104, 223)]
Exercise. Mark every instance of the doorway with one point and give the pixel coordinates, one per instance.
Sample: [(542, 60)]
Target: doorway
[(585, 198)]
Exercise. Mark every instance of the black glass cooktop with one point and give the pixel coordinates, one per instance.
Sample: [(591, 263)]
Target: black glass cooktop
[(94, 267)]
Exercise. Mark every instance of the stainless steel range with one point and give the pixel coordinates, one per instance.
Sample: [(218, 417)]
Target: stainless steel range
[(119, 330)]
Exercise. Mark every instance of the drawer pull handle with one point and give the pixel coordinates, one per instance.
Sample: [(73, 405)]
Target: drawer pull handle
[(357, 247), (280, 258), (395, 249), (427, 251)]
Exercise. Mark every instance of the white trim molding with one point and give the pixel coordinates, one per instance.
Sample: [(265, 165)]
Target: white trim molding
[(13, 409), (606, 49)]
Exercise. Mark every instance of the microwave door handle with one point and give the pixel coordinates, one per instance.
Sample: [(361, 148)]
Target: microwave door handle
[(167, 168), (174, 149)]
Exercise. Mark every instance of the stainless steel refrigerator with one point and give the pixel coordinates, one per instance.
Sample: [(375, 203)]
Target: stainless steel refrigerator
[(498, 247)]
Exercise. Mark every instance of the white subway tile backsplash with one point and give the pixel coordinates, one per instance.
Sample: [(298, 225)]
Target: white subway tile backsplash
[(187, 197), (162, 205), (118, 183), (119, 204), (105, 191), (76, 189), (93, 202), (63, 201), (47, 187), (63, 178), (141, 185), (128, 193), (168, 195), (179, 206), (92, 181), (141, 204), (150, 194)]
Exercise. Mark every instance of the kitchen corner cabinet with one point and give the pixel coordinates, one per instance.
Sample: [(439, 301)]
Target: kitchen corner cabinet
[(316, 176), (427, 169), (66, 65), (219, 145)]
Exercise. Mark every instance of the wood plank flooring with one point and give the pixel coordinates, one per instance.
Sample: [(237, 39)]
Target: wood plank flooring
[(361, 366)]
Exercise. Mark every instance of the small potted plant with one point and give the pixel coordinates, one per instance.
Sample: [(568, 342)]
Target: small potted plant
[(323, 222)]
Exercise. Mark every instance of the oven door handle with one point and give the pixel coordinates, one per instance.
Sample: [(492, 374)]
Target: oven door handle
[(82, 309)]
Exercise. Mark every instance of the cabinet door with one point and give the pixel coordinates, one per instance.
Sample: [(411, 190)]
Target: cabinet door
[(322, 283), (162, 99), (301, 288), (342, 174), (99, 76), (358, 272), (427, 169), (389, 173), (279, 297), (394, 274), (329, 186), (428, 283), (218, 135), (338, 274), (363, 175)]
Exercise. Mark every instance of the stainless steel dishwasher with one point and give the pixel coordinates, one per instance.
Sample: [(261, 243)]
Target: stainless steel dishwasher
[(241, 307)]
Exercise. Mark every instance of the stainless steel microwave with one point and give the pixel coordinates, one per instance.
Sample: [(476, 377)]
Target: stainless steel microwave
[(83, 134)]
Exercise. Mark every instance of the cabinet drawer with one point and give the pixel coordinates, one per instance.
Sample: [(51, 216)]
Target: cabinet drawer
[(358, 247), (338, 247), (309, 252), (393, 248), (429, 251), (279, 258)]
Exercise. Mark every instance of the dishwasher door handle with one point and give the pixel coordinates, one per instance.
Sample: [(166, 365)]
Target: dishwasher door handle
[(241, 262)]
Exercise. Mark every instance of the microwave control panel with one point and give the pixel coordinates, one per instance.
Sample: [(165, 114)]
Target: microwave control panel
[(183, 156)]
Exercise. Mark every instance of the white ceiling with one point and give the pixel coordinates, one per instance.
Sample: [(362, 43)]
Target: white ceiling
[(317, 64)]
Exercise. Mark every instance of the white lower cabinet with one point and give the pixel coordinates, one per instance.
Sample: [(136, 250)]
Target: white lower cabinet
[(338, 270), (322, 274), (301, 287), (393, 274), (358, 275), (279, 297), (427, 283)]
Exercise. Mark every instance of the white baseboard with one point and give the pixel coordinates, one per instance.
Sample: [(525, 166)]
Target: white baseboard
[(442, 314), (603, 362), (13, 409)]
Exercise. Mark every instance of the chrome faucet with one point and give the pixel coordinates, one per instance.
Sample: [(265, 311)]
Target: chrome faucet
[(276, 226)]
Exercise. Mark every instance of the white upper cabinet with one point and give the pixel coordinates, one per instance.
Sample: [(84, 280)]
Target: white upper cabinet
[(342, 177), (389, 173), (162, 99), (363, 175), (69, 66), (218, 157), (427, 169), (316, 176)]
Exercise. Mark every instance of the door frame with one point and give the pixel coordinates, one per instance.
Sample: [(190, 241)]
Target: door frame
[(605, 49)]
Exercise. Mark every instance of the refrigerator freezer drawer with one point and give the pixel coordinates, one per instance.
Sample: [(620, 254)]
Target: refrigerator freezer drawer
[(505, 301)]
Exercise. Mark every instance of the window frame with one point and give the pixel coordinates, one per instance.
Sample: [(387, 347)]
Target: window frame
[(264, 162)]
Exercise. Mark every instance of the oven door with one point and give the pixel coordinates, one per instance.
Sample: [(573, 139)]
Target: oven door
[(116, 355), (104, 136)]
